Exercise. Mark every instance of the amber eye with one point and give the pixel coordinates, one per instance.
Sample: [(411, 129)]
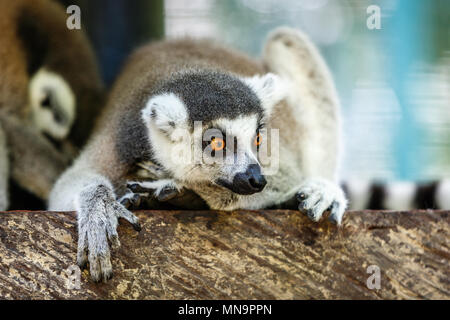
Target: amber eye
[(258, 139), (217, 144)]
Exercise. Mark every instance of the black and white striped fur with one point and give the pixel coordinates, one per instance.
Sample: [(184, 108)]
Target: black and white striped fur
[(397, 195)]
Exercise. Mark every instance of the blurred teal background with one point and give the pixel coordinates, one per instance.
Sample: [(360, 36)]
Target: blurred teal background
[(394, 83)]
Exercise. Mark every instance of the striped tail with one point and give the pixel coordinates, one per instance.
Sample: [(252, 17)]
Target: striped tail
[(397, 195)]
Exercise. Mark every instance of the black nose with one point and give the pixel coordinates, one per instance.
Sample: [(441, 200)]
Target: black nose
[(250, 181)]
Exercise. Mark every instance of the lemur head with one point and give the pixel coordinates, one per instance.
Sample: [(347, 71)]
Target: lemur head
[(57, 65), (205, 127), (52, 104)]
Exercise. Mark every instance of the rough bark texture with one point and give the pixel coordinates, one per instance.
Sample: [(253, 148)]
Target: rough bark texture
[(240, 255)]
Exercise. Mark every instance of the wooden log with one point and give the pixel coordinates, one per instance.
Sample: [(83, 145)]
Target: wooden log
[(240, 255)]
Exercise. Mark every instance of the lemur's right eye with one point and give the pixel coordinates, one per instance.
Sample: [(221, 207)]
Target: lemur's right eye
[(258, 140), (217, 144)]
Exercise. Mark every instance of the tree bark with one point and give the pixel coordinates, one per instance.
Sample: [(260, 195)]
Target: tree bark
[(240, 255)]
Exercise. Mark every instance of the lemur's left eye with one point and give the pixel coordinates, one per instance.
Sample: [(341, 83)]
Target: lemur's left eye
[(217, 144), (258, 139)]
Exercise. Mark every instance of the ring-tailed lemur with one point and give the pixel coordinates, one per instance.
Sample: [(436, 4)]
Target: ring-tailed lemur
[(152, 116), (50, 94)]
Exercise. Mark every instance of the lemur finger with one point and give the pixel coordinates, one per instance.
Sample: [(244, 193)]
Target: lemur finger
[(167, 193), (307, 202), (111, 232), (162, 190), (316, 212), (136, 200), (131, 200), (115, 243), (310, 201), (137, 187), (82, 257), (106, 267), (127, 215), (98, 251), (113, 236), (337, 212), (94, 267), (126, 202)]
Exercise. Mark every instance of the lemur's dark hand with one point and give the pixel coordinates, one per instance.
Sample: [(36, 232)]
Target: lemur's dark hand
[(160, 190)]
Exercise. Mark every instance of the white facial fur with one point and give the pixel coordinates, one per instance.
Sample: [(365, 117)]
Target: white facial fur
[(269, 88), (166, 116), (180, 150), (244, 129), (62, 104)]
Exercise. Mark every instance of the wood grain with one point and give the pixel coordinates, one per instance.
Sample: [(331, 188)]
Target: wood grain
[(240, 255)]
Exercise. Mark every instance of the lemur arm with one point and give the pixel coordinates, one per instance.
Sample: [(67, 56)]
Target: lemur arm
[(35, 163), (312, 99), (313, 104), (87, 187), (4, 171)]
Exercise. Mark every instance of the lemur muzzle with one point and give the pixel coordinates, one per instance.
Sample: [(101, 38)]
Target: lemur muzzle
[(250, 181)]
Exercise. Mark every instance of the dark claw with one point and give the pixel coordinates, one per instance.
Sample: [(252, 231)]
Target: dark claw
[(167, 194), (97, 279), (301, 205), (134, 187), (137, 227), (334, 206), (301, 197), (136, 200), (133, 202), (310, 214), (332, 219), (126, 203), (83, 266)]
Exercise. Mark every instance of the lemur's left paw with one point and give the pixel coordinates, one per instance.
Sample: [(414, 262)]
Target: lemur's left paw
[(315, 196), (161, 190)]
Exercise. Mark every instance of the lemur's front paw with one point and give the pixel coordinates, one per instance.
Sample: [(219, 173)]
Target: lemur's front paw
[(315, 196), (160, 190), (98, 215)]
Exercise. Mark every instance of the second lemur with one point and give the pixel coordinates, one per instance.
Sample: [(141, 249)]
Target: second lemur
[(50, 94)]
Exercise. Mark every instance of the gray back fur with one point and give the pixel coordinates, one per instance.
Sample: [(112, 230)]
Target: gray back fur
[(210, 95)]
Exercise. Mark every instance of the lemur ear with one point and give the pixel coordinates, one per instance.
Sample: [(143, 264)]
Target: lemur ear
[(269, 88), (165, 112)]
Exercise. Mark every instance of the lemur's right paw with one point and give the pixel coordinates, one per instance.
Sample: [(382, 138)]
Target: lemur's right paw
[(161, 190), (98, 216), (315, 196)]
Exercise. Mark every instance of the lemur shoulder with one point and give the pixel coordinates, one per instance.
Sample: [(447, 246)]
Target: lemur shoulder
[(170, 87), (50, 94)]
